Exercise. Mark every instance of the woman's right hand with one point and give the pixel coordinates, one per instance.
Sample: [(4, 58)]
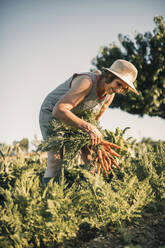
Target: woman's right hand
[(95, 135)]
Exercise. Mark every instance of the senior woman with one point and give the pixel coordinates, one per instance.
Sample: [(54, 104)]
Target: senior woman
[(81, 92)]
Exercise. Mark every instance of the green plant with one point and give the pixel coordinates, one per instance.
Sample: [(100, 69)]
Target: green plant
[(35, 216)]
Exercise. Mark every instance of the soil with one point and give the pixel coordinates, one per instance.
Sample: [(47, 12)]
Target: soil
[(146, 232)]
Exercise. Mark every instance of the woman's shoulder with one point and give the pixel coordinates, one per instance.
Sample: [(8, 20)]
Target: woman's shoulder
[(83, 77)]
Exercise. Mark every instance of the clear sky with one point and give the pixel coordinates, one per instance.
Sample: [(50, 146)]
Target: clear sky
[(42, 42)]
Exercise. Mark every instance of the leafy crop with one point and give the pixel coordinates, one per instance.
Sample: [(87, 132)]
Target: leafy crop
[(32, 215)]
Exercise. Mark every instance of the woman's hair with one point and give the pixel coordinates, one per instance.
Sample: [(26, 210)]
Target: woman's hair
[(109, 76), (97, 72)]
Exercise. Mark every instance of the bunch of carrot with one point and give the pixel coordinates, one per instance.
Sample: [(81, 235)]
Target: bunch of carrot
[(105, 158)]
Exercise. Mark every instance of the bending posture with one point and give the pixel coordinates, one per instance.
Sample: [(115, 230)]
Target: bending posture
[(81, 92)]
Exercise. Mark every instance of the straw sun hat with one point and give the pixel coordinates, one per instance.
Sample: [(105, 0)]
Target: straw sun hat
[(124, 70)]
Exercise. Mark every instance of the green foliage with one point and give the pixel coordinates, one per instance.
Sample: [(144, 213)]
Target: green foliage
[(147, 53), (67, 139), (24, 144), (32, 215)]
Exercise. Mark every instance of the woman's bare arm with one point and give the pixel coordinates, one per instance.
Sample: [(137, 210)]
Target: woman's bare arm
[(80, 88)]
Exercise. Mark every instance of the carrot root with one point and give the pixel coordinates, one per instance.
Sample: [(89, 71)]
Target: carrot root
[(104, 159), (106, 142)]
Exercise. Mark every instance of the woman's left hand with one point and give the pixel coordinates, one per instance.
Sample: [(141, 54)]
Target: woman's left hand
[(95, 135)]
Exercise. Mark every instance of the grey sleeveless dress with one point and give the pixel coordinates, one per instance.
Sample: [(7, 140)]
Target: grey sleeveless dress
[(90, 102)]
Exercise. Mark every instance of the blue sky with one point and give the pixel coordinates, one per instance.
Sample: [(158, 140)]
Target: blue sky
[(43, 42)]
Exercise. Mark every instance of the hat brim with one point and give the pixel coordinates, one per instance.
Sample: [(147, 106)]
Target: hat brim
[(130, 84)]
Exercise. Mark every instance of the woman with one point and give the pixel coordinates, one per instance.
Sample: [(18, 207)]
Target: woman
[(81, 92)]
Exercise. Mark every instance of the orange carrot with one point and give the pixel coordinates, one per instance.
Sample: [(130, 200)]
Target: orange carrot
[(109, 165), (114, 162), (104, 159), (108, 160), (106, 142), (100, 156), (105, 163), (111, 151)]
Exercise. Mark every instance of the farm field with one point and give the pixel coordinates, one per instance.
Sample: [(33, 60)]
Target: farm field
[(126, 210)]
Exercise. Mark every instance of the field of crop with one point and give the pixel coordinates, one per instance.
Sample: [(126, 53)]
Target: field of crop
[(126, 210)]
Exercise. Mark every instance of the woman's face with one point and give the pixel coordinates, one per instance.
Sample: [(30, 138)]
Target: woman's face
[(116, 86)]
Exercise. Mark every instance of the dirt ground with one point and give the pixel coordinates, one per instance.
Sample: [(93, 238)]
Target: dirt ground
[(148, 232), (145, 232)]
